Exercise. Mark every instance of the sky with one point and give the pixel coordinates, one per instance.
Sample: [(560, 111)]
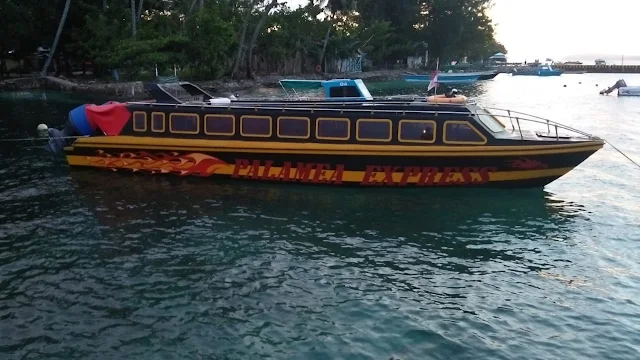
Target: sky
[(565, 30)]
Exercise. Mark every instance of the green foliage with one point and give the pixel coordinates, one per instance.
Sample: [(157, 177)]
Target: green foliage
[(211, 38), (205, 41), (134, 55)]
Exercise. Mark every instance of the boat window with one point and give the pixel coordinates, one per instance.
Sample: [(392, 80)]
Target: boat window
[(157, 122), (256, 126), (333, 129), (139, 121), (420, 131), (489, 121), (344, 91), (184, 123), (294, 127), (373, 130), (220, 125), (462, 132)]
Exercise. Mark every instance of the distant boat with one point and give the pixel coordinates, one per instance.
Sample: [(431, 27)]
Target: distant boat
[(543, 70), (446, 78)]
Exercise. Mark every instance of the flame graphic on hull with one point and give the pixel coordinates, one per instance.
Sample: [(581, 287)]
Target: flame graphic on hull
[(194, 164), (527, 164)]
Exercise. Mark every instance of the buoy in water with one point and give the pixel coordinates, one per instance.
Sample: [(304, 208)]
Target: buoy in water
[(43, 130)]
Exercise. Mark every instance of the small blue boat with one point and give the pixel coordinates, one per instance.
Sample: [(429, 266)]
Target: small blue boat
[(543, 70), (446, 78)]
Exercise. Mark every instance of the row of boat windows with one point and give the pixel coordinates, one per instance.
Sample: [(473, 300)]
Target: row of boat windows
[(380, 130)]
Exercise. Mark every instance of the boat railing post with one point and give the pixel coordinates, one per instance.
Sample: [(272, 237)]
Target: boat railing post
[(557, 136), (519, 128), (513, 127), (549, 128)]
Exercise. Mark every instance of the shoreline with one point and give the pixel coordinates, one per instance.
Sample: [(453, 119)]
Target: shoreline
[(134, 90)]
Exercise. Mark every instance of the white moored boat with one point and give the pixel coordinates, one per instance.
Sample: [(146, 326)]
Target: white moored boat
[(623, 89)]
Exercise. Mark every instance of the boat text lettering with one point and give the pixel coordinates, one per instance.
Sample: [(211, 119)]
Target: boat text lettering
[(373, 175), (425, 176), (303, 172)]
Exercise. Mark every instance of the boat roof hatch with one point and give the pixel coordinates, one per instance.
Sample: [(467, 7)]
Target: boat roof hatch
[(334, 89), (177, 93)]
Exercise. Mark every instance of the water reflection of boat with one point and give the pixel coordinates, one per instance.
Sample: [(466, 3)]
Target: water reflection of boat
[(458, 230), (130, 200)]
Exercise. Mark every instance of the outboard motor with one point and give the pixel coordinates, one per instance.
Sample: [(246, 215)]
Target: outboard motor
[(78, 124), (619, 84)]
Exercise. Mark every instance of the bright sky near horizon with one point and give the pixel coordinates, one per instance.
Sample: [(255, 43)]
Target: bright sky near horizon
[(564, 29)]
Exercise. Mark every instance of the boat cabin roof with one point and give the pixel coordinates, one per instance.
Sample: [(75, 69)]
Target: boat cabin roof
[(334, 89)]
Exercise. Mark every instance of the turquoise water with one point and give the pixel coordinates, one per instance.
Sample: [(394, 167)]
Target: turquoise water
[(97, 265)]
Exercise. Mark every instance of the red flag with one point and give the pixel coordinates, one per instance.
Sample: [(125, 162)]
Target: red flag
[(434, 81)]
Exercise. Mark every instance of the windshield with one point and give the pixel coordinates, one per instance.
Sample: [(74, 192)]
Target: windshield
[(489, 121)]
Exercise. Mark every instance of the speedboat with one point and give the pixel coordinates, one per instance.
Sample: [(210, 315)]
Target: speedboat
[(349, 138)]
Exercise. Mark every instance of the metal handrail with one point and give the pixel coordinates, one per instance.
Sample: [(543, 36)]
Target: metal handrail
[(539, 120), (511, 115)]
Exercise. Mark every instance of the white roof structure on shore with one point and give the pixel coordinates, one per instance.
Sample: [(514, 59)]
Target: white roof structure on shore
[(498, 56)]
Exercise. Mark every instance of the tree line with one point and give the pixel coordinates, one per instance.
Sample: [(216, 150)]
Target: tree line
[(240, 38)]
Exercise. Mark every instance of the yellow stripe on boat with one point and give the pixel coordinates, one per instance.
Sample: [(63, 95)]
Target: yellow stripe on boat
[(133, 142), (373, 176)]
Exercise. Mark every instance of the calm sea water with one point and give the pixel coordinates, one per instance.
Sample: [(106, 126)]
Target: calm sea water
[(98, 265)]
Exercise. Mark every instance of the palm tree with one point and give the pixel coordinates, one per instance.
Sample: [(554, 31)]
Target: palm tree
[(57, 38), (134, 22), (256, 33), (333, 7), (243, 34)]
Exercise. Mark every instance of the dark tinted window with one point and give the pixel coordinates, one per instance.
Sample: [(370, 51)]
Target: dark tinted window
[(344, 91), (462, 132), (377, 130), (184, 123), (219, 124), (259, 126), (333, 129), (139, 121), (293, 127), (417, 130), (157, 122)]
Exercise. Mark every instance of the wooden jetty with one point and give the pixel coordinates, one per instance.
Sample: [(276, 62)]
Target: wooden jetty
[(626, 69)]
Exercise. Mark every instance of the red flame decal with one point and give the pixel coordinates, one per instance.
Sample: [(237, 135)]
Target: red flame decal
[(195, 164), (527, 164)]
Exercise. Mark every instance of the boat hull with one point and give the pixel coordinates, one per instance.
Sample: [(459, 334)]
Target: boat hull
[(338, 165), (488, 75), (446, 78)]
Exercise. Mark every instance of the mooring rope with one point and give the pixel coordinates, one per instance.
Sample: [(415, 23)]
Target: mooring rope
[(623, 154), (42, 138)]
